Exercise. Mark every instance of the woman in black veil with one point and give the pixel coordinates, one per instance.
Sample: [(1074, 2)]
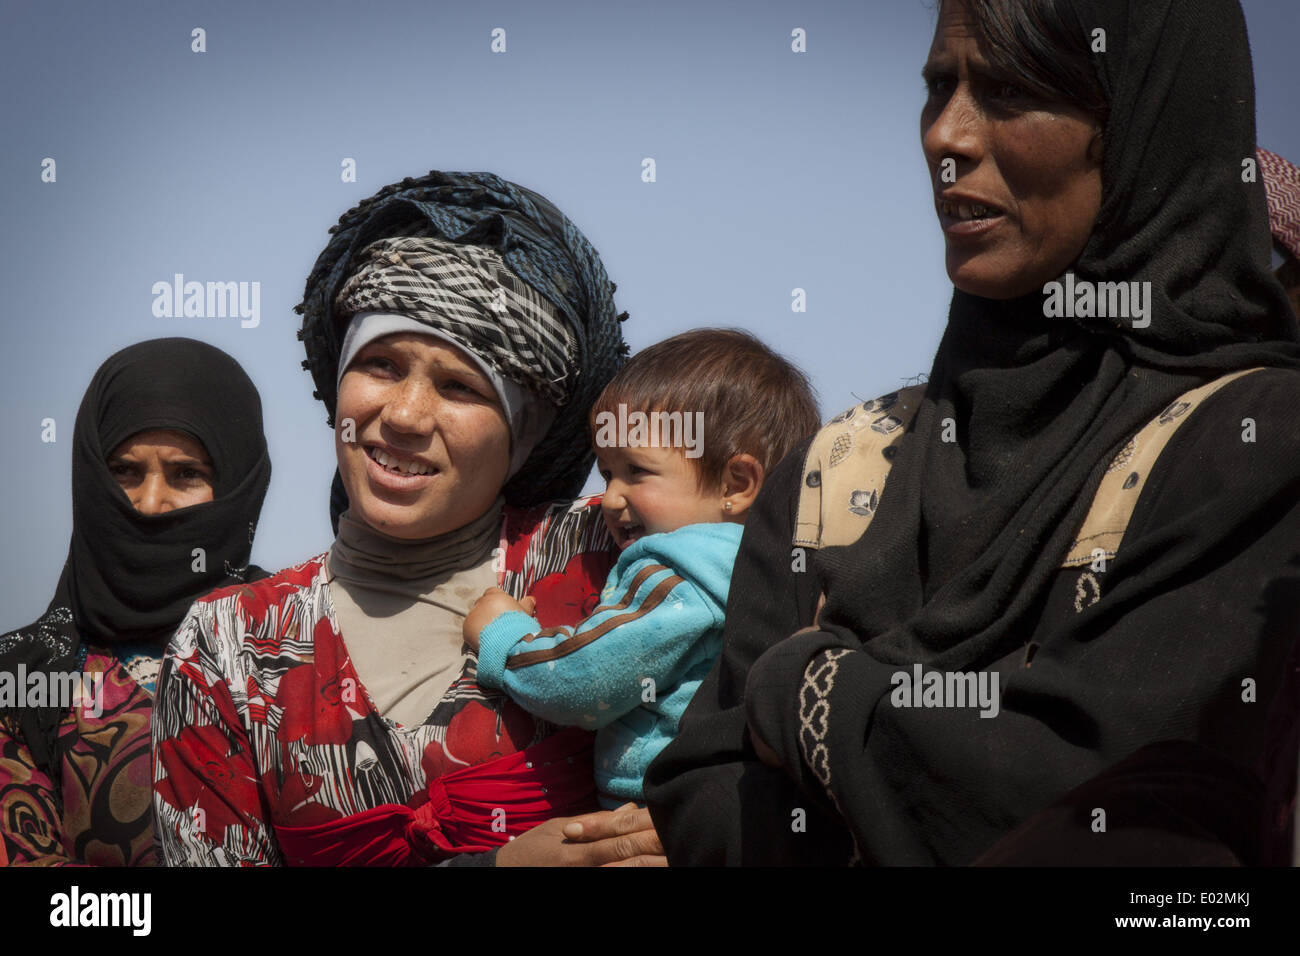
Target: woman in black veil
[(1092, 513)]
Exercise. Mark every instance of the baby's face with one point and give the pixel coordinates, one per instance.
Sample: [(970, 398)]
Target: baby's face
[(652, 491)]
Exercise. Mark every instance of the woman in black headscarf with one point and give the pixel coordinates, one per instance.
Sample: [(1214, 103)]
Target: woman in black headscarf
[(169, 469), (1089, 537)]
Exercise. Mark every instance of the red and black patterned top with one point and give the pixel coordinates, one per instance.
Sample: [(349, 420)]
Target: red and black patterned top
[(99, 814), (270, 751)]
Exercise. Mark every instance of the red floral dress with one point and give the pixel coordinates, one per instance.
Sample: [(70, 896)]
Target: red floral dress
[(269, 751)]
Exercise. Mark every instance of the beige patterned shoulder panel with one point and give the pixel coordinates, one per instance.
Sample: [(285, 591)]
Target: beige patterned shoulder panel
[(845, 470), (1126, 476), (849, 459)]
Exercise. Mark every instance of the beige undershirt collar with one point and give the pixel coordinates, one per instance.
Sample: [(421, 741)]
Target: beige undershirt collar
[(400, 606)]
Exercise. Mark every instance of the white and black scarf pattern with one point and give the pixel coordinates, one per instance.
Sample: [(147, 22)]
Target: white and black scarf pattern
[(468, 294)]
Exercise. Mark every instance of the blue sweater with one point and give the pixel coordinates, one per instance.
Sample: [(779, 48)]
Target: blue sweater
[(630, 669)]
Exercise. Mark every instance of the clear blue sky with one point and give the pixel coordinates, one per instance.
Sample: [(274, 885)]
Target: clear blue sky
[(775, 170)]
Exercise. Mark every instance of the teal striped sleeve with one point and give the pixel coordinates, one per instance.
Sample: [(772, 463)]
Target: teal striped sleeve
[(496, 640), (590, 675)]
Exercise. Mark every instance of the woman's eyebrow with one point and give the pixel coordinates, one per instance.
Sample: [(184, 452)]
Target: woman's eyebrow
[(467, 370), (463, 371), (379, 350), (934, 70), (989, 73), (982, 72), (453, 363)]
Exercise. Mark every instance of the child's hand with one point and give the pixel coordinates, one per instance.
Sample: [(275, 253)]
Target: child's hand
[(487, 608)]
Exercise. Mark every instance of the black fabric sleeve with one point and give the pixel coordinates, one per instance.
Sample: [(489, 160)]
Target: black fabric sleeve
[(711, 799)]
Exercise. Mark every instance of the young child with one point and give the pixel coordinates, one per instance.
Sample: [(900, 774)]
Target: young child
[(684, 435)]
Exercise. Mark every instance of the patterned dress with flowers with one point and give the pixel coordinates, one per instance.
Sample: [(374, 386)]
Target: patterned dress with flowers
[(98, 812), (269, 750)]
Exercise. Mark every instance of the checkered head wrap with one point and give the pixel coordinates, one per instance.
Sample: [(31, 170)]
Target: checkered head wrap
[(531, 299), (1282, 185), (469, 296)]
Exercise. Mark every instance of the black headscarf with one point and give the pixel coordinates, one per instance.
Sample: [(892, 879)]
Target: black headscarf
[(129, 576), (540, 245), (970, 533)]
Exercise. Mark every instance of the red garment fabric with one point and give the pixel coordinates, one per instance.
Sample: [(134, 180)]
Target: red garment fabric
[(1282, 187), (268, 749), (98, 813), (469, 811)]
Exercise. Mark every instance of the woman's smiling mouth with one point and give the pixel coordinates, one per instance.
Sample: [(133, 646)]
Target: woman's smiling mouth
[(398, 473)]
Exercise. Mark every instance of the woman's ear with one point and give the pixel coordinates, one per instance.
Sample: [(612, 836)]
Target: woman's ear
[(742, 477), (1096, 148)]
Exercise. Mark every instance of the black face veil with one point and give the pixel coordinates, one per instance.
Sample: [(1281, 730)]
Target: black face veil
[(128, 576)]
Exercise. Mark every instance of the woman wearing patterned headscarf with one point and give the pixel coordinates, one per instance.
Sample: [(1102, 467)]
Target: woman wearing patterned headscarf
[(457, 327), (169, 469), (1088, 538)]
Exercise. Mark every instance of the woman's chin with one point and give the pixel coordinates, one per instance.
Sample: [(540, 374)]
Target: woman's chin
[(416, 520), (988, 283), (1004, 274), (401, 515), (398, 522)]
